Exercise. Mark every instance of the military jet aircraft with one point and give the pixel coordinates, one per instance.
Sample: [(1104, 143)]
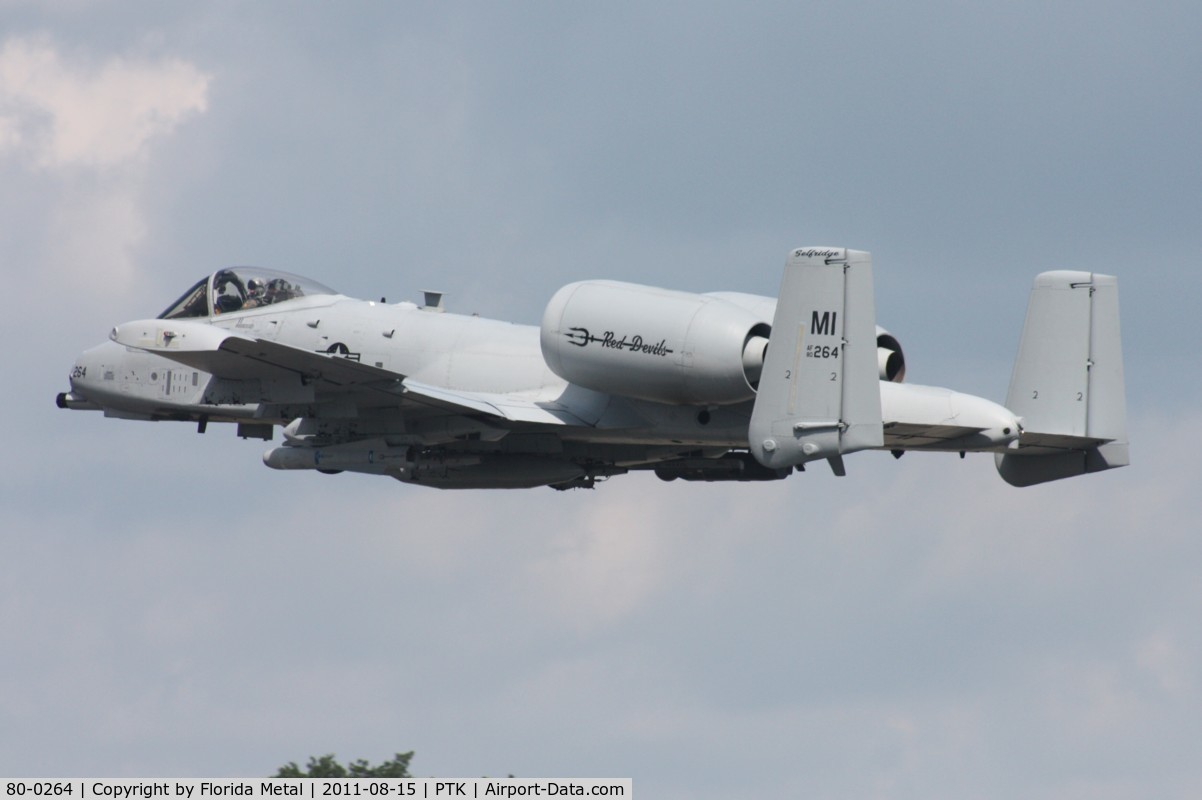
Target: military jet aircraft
[(618, 377)]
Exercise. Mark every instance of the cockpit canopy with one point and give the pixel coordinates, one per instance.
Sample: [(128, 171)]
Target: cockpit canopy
[(240, 288)]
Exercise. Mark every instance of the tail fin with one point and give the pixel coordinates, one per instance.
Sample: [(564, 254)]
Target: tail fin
[(819, 394), (1067, 386)]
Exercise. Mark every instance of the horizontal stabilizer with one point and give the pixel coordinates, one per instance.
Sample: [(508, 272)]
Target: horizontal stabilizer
[(1052, 443), (1067, 387)]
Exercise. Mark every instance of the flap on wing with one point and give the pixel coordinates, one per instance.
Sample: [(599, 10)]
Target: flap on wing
[(227, 354), (506, 406)]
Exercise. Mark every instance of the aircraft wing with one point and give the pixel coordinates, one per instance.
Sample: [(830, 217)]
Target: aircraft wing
[(332, 370), (504, 406), (234, 356)]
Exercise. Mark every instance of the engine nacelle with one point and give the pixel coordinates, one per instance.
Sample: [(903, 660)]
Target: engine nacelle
[(890, 357), (654, 344)]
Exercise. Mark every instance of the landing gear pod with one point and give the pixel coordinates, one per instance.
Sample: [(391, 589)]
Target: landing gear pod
[(654, 344)]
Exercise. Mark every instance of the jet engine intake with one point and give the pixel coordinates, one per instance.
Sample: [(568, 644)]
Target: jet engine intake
[(654, 344)]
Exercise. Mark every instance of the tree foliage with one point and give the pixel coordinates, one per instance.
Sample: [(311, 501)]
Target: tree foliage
[(328, 767)]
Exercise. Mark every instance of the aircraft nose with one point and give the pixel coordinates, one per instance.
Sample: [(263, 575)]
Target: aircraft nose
[(84, 372), (86, 375)]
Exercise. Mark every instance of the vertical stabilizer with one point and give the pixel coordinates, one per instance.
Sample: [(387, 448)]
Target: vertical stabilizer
[(819, 393), (1067, 386)]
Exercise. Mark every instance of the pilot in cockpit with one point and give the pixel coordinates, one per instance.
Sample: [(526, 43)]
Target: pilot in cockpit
[(230, 290), (228, 293), (256, 293)]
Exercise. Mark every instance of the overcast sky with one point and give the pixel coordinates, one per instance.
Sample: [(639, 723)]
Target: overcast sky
[(171, 608)]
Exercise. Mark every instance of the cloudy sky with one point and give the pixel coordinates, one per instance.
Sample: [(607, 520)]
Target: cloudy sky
[(918, 629)]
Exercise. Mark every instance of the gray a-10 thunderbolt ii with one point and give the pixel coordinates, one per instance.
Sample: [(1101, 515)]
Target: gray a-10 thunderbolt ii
[(618, 377)]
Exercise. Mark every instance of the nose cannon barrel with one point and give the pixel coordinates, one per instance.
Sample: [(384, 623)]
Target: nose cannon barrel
[(74, 402)]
